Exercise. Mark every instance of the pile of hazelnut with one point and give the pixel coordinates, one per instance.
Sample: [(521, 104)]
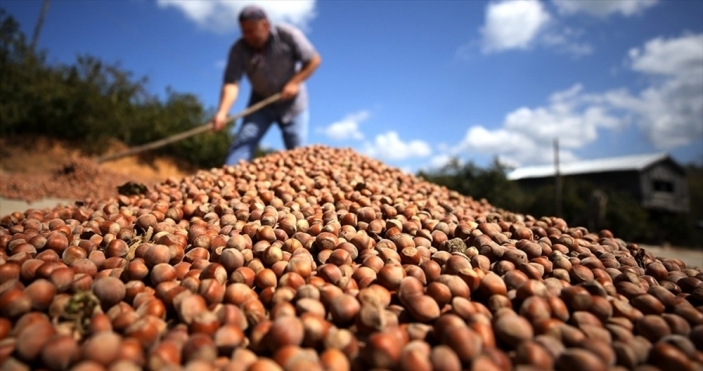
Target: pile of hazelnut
[(323, 259)]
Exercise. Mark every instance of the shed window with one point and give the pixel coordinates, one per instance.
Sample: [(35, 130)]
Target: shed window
[(663, 186)]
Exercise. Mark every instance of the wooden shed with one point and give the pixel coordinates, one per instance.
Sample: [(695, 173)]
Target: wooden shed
[(655, 180)]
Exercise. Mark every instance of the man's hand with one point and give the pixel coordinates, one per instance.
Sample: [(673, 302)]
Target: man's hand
[(218, 121), (290, 90)]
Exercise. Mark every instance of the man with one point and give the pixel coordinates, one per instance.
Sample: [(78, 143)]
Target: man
[(269, 55)]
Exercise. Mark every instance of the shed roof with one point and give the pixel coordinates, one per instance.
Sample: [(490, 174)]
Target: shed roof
[(624, 163)]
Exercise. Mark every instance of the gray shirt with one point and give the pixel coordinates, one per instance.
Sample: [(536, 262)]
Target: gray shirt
[(270, 69)]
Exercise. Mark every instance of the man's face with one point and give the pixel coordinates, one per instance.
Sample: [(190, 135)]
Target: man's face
[(255, 33)]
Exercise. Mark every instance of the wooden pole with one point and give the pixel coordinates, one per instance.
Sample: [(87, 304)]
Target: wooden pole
[(557, 179), (40, 22), (187, 134)]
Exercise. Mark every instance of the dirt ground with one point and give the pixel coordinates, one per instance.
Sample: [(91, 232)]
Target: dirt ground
[(44, 155), (692, 257), (33, 173)]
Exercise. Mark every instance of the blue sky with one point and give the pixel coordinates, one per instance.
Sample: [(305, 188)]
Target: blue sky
[(413, 83)]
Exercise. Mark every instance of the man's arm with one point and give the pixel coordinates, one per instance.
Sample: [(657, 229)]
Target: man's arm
[(228, 96), (292, 87)]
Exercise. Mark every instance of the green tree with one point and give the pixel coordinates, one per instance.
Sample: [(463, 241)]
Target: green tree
[(91, 103), (471, 180)]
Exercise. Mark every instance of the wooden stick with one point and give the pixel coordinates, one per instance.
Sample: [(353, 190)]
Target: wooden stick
[(188, 133)]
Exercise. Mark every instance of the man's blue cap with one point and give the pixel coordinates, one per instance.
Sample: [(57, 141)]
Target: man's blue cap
[(252, 13)]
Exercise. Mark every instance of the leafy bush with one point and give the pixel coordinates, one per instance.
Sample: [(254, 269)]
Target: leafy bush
[(93, 102), (470, 179)]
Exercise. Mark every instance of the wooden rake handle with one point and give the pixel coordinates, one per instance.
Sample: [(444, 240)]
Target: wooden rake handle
[(188, 133)]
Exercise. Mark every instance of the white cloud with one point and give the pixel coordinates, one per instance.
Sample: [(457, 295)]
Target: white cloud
[(500, 141), (439, 161), (671, 109), (520, 25), (389, 146), (527, 134), (512, 147), (565, 42), (568, 117), (513, 24), (221, 15), (407, 170), (348, 127), (683, 55), (603, 8), (669, 112)]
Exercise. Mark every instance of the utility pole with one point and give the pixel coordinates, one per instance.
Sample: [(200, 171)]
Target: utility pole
[(557, 178), (39, 24)]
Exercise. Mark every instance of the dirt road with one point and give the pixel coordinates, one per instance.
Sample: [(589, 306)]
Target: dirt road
[(692, 257)]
